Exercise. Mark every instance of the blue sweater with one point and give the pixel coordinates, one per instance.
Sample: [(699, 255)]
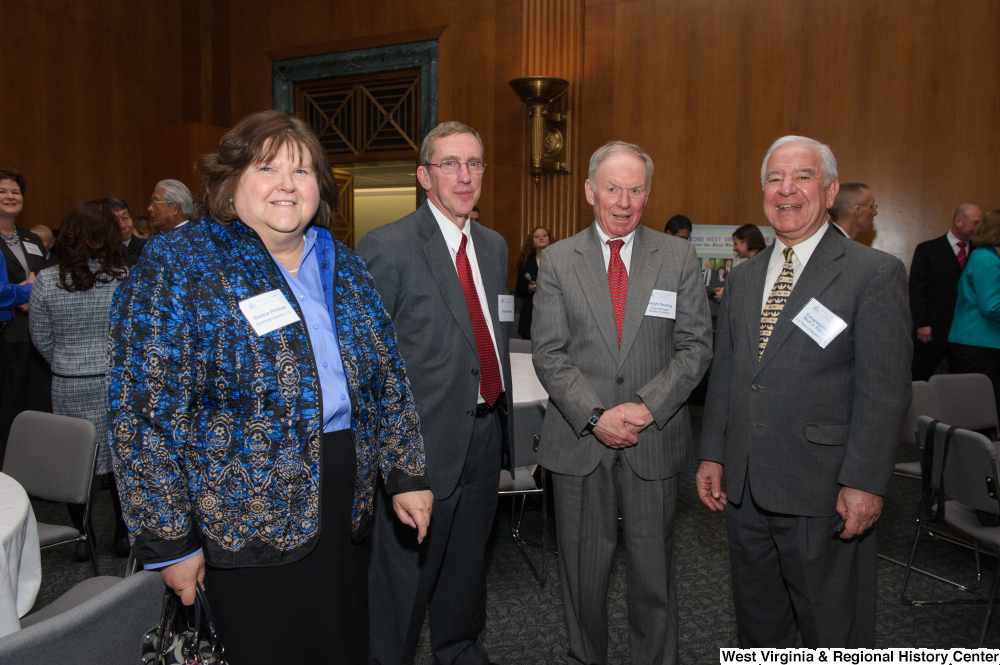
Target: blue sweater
[(215, 431), (977, 312)]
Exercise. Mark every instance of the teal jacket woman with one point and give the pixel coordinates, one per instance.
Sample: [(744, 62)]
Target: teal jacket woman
[(215, 430), (977, 311)]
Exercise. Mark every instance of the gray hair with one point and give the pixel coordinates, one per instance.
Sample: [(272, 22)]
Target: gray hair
[(176, 192), (826, 157), (851, 194), (43, 232), (616, 148), (445, 129)]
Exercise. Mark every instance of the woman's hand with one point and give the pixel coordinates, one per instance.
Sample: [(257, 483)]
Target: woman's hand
[(414, 510), (183, 575), (532, 287)]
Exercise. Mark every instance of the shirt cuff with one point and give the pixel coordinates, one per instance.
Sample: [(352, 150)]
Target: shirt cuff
[(164, 564)]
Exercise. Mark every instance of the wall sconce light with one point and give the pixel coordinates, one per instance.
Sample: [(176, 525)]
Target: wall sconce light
[(550, 132)]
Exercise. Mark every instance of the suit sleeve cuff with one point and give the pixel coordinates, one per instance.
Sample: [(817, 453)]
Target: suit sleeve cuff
[(400, 482)]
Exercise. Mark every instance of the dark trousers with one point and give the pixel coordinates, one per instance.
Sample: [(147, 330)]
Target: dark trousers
[(446, 574), (314, 610), (978, 360), (790, 573), (587, 510), (927, 357)]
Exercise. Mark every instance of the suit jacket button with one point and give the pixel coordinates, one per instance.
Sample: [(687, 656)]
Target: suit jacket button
[(755, 387), (471, 414), (620, 380), (475, 371)]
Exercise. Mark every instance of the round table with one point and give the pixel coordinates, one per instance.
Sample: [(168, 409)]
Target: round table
[(20, 557)]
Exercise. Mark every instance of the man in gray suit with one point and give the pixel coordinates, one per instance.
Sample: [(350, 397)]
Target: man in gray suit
[(622, 335), (441, 278), (808, 391)]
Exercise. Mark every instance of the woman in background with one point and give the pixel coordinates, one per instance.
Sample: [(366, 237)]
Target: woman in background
[(747, 241), (142, 227), (975, 328), (527, 273), (70, 306)]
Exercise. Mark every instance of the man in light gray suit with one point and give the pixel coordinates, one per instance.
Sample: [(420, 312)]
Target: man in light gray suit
[(441, 277), (622, 335), (808, 391)]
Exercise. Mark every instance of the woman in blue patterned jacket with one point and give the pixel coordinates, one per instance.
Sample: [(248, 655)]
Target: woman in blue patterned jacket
[(255, 394)]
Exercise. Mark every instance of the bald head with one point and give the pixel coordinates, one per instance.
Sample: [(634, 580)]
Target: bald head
[(45, 233), (964, 222)]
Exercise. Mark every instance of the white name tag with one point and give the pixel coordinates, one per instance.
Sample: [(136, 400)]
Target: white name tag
[(662, 304), (33, 249), (506, 308), (819, 323), (268, 311)]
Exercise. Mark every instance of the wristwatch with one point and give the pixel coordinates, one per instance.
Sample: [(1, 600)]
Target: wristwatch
[(593, 420)]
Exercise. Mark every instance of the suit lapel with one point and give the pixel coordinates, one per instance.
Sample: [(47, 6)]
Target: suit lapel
[(643, 270), (442, 266), (590, 270), (816, 276)]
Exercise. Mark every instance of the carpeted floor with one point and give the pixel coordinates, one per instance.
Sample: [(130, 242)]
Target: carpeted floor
[(526, 623)]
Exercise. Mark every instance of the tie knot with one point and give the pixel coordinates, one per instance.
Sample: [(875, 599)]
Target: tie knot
[(616, 245), (961, 244), (788, 251)]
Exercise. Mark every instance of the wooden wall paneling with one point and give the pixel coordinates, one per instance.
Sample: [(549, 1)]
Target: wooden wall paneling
[(594, 119), (171, 152)]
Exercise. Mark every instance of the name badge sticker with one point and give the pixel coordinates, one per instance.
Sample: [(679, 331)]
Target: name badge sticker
[(268, 312), (505, 307), (662, 304), (819, 323), (33, 249)]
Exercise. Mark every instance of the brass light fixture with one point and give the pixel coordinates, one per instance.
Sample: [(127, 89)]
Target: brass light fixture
[(549, 131)]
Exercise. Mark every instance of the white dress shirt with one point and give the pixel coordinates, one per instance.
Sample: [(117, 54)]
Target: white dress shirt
[(453, 238), (800, 257), (626, 250), (953, 241)]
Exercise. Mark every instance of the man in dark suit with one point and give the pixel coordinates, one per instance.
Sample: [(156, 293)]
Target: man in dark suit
[(133, 245), (937, 266), (621, 337), (808, 391), (854, 210), (442, 279)]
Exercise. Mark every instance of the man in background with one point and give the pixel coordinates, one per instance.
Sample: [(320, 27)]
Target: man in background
[(133, 245), (678, 226), (937, 266), (854, 210), (45, 233), (474, 215), (171, 205)]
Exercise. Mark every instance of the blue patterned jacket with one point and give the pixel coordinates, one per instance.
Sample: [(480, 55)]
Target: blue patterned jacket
[(215, 432)]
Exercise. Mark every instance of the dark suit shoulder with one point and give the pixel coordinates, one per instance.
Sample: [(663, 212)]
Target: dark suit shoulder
[(394, 231)]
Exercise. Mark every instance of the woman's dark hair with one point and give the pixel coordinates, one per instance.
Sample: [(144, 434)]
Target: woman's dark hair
[(987, 233), (529, 246), (90, 232), (752, 236), (13, 174), (143, 225), (258, 138)]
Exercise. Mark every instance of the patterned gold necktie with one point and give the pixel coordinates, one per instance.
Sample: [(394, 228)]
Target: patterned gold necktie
[(776, 301)]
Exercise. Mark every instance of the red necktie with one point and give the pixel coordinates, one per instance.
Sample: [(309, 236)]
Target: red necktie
[(962, 256), (490, 382), (618, 283)]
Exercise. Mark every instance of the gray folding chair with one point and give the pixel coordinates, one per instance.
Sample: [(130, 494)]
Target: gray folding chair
[(969, 468), (924, 403), (99, 621), (527, 479), (967, 401), (53, 458), (520, 345)]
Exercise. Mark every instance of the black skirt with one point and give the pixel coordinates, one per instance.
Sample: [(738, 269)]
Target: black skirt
[(310, 611)]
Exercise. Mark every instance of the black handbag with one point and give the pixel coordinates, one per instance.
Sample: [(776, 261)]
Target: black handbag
[(176, 641)]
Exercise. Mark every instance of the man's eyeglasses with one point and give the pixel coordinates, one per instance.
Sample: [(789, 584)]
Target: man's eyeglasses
[(154, 202), (451, 166)]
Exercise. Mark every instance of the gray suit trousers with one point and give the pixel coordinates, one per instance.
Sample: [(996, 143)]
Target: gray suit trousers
[(789, 572), (587, 510)]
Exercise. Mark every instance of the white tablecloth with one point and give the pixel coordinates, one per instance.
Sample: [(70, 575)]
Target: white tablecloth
[(527, 387), (20, 558)]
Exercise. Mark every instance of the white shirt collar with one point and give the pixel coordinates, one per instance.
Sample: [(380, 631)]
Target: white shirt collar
[(605, 238), (803, 250), (953, 240), (452, 234)]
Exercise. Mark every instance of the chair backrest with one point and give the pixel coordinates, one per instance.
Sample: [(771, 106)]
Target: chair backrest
[(108, 628), (520, 346), (970, 471), (924, 403), (934, 455), (966, 400), (51, 456), (528, 422)]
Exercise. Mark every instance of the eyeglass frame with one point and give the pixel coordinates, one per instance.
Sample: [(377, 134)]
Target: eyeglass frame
[(154, 202), (460, 165)]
